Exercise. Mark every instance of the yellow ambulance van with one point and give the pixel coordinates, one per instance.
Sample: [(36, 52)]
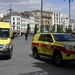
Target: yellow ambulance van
[(6, 46)]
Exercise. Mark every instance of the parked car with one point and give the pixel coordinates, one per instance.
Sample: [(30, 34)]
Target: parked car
[(59, 46)]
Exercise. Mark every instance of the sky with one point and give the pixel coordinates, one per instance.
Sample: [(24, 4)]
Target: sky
[(49, 5)]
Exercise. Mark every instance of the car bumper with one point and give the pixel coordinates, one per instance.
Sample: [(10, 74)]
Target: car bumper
[(68, 57), (4, 52)]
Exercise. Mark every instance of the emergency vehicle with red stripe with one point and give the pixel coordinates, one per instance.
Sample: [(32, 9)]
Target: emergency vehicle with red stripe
[(59, 46)]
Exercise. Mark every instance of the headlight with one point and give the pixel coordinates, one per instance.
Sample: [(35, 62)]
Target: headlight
[(6, 46), (68, 47)]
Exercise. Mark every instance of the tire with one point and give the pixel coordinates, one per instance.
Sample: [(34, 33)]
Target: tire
[(57, 59), (12, 49), (9, 56), (35, 54)]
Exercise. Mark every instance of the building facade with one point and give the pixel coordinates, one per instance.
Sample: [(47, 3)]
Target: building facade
[(31, 20), (37, 22), (15, 21), (2, 15), (72, 22), (60, 19), (46, 18), (24, 22), (20, 21)]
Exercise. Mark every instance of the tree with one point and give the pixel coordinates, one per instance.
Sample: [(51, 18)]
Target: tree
[(74, 28), (41, 28), (53, 28), (47, 27), (28, 28), (35, 29), (59, 28), (66, 29)]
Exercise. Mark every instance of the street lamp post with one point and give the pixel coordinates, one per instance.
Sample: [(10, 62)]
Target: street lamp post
[(41, 15), (10, 12), (69, 14)]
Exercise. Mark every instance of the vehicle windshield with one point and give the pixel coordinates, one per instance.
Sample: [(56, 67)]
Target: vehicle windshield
[(4, 33), (63, 37)]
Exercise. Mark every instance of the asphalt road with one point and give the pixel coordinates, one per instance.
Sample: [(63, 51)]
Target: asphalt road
[(23, 63)]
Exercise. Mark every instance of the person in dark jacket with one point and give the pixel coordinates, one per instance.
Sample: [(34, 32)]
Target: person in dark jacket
[(26, 36)]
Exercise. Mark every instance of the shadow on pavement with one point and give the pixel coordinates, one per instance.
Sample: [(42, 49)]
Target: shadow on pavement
[(3, 58), (47, 66), (49, 60), (34, 73)]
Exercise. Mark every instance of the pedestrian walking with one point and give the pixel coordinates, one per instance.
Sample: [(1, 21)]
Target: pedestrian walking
[(26, 36)]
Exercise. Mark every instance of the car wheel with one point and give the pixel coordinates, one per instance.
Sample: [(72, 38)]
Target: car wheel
[(57, 59), (35, 54), (12, 49), (9, 56)]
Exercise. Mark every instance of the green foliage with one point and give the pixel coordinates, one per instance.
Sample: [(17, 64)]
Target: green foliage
[(66, 29), (41, 28), (74, 28), (35, 29), (47, 27), (59, 28), (53, 28), (28, 28)]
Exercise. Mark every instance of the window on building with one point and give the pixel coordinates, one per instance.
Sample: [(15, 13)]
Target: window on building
[(13, 18), (13, 23), (18, 23), (17, 27), (30, 23), (18, 19), (13, 27)]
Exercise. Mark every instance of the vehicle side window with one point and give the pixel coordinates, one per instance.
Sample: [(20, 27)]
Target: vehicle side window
[(48, 38), (42, 37)]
